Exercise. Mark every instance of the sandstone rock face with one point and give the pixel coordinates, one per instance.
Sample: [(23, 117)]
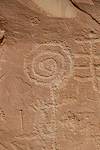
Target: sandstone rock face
[(49, 75)]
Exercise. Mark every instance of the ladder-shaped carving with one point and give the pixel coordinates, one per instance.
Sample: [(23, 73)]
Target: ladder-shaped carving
[(87, 66)]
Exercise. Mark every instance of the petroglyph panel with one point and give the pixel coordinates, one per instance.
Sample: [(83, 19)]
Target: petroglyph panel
[(49, 75)]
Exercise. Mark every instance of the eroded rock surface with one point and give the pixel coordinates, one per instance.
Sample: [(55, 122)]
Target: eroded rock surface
[(49, 75)]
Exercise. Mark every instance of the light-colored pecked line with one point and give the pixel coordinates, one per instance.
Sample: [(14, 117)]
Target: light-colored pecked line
[(88, 41), (92, 66), (2, 32), (21, 119), (53, 116)]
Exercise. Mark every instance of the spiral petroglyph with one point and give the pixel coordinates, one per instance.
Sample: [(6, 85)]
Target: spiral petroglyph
[(47, 63)]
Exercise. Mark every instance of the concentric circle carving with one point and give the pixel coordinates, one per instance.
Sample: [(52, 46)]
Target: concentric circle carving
[(47, 63)]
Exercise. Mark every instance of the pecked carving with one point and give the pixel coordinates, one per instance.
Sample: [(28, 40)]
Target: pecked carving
[(47, 63)]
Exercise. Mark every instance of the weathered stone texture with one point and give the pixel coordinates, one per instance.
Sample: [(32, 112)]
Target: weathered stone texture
[(49, 75)]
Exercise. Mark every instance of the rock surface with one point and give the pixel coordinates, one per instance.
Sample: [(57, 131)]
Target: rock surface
[(49, 75)]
